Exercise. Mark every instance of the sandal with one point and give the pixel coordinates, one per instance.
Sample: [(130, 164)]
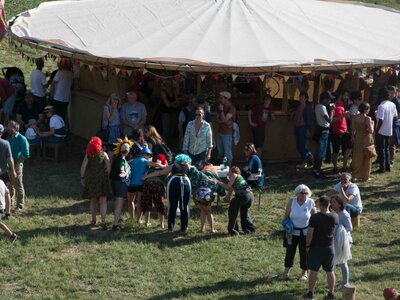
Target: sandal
[(303, 277)]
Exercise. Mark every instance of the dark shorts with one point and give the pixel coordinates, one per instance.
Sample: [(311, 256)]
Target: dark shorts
[(320, 256), (135, 188), (342, 140), (259, 137), (120, 189), (5, 178)]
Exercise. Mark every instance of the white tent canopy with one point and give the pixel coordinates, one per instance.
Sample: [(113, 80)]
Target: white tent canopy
[(215, 35)]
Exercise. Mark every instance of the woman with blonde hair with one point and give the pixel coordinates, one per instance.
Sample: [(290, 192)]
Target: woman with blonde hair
[(111, 119), (153, 138)]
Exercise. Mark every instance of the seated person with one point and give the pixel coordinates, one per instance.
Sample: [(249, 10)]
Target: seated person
[(31, 133), (253, 173), (57, 131), (349, 193), (27, 110)]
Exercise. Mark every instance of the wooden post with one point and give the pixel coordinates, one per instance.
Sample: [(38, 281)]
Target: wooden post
[(285, 100), (199, 84)]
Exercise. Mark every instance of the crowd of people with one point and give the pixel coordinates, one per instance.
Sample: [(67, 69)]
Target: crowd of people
[(129, 159)]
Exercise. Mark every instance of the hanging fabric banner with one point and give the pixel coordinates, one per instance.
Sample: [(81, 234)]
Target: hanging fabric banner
[(202, 77), (129, 72), (234, 76), (262, 77)]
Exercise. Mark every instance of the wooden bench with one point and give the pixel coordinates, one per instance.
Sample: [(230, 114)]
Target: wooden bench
[(355, 221), (35, 151), (52, 151)]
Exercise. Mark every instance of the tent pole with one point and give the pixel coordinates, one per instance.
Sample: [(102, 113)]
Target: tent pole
[(285, 100), (199, 84)]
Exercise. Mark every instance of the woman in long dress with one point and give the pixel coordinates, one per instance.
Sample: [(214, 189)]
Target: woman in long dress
[(95, 171), (362, 134)]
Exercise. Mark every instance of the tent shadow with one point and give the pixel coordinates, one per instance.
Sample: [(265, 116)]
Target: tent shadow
[(230, 285), (379, 260), (161, 238)]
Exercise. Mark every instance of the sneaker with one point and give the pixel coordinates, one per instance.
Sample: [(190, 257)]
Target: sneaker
[(13, 237), (309, 295), (330, 296), (19, 208)]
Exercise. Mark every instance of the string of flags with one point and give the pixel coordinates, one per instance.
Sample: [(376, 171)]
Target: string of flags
[(111, 71)]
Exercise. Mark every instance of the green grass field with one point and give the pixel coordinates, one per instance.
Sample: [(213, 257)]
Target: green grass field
[(59, 256)]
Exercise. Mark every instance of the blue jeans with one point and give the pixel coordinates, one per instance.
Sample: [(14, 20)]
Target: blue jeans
[(354, 211), (224, 145), (301, 138), (322, 144)]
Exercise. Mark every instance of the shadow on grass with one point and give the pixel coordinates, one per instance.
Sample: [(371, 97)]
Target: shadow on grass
[(380, 260), (161, 238), (385, 205), (230, 285), (378, 277), (392, 243)]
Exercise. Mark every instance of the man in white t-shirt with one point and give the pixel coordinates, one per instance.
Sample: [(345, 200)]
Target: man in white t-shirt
[(57, 131), (39, 83), (385, 115), (349, 193), (322, 133), (5, 197), (62, 85)]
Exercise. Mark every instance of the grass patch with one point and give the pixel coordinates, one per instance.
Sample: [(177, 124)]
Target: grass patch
[(59, 256)]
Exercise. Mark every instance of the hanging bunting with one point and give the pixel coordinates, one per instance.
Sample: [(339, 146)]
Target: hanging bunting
[(117, 70), (234, 76), (202, 77), (90, 68), (123, 72), (145, 71), (323, 76), (104, 75), (397, 72), (285, 78), (129, 72), (262, 77)]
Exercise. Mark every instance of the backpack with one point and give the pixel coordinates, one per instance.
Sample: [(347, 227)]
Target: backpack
[(167, 152)]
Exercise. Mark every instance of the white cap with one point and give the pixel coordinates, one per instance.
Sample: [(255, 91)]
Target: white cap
[(125, 147), (225, 94)]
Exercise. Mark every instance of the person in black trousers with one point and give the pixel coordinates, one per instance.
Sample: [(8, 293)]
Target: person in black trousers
[(241, 202)]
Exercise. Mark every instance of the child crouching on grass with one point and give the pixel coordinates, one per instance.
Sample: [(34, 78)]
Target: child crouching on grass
[(139, 168), (154, 192), (5, 197)]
